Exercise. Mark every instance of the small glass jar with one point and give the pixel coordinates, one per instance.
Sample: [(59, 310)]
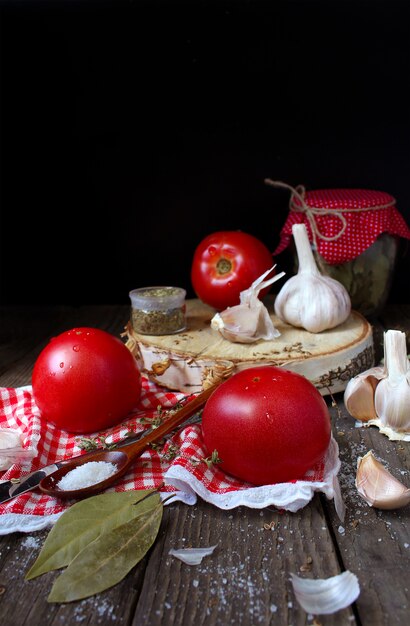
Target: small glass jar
[(158, 310)]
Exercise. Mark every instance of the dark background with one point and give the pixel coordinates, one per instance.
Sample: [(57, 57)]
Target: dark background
[(130, 130)]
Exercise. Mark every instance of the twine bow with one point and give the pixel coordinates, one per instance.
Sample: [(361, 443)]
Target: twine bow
[(311, 211)]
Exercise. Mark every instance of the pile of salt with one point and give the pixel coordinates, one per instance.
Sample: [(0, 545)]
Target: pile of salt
[(86, 475)]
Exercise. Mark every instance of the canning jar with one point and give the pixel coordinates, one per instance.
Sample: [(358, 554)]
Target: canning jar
[(355, 236)]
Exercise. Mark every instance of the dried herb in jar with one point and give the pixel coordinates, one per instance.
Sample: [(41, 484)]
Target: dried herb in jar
[(158, 310), (158, 322)]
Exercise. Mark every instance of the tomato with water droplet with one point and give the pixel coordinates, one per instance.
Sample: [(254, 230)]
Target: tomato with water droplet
[(268, 425), (85, 380)]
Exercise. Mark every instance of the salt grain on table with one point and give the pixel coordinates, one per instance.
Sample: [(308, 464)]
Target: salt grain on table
[(86, 475)]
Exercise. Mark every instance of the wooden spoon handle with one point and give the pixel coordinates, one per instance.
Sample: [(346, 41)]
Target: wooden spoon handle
[(187, 410)]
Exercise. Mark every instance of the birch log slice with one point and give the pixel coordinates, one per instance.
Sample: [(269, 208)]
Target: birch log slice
[(199, 356)]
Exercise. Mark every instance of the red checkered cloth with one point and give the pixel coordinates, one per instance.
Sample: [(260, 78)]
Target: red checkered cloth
[(342, 223), (179, 462)]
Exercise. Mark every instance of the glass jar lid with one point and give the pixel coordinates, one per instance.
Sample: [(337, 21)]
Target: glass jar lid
[(157, 298)]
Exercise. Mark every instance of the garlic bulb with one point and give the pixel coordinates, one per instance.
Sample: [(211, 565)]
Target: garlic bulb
[(377, 486), (392, 395), (380, 396), (11, 448), (309, 299), (250, 320)]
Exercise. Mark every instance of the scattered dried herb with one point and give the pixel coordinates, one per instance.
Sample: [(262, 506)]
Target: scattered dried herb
[(157, 446), (307, 566), (154, 422), (172, 452), (213, 459), (162, 413), (88, 443), (94, 443)]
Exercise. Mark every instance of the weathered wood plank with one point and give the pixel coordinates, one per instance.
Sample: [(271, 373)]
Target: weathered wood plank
[(24, 603), (374, 544), (247, 579)]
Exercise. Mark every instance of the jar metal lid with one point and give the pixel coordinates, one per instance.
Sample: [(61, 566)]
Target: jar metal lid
[(157, 298)]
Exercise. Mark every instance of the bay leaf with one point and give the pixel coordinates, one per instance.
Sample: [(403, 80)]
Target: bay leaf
[(86, 520), (108, 559)]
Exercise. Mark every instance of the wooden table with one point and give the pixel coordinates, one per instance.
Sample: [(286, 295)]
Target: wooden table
[(247, 579)]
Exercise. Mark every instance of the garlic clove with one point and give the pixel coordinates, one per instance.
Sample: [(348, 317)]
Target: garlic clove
[(324, 596), (9, 438), (392, 404), (378, 486), (235, 324), (239, 324), (248, 321), (392, 394), (359, 394), (11, 449)]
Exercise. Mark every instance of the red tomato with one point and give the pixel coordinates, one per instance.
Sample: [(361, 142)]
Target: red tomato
[(226, 263), (268, 425), (85, 380)]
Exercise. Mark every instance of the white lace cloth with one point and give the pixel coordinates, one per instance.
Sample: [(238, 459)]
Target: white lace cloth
[(288, 496)]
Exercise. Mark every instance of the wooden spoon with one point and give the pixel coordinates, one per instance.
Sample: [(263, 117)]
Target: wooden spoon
[(123, 457)]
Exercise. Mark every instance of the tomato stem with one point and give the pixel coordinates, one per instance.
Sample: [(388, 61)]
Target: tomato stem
[(223, 266)]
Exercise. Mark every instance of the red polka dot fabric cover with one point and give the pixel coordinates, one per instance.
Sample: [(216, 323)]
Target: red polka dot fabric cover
[(346, 221)]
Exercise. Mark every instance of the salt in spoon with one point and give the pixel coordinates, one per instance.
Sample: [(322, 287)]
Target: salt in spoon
[(121, 458)]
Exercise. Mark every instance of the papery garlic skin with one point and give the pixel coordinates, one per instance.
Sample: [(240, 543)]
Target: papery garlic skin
[(248, 321), (309, 299), (9, 438), (191, 556), (11, 449), (239, 326), (392, 394), (324, 596), (359, 394), (377, 486)]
